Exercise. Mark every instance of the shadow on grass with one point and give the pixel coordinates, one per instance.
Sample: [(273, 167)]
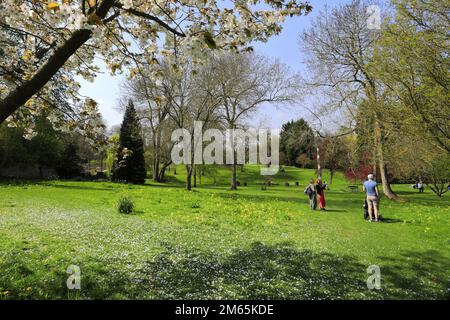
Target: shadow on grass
[(417, 275), (389, 220), (257, 272), (283, 272), (111, 186), (75, 187)]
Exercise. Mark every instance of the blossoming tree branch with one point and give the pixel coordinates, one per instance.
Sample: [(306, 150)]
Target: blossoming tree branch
[(46, 45)]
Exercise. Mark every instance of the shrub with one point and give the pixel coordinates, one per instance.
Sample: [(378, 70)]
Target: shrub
[(125, 205), (297, 183), (195, 205), (286, 184), (245, 184)]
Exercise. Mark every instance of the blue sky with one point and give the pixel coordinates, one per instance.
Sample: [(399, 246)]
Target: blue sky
[(106, 89)]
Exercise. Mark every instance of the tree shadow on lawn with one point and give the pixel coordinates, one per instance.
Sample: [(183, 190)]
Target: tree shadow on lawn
[(260, 271), (86, 188), (417, 275), (111, 187), (283, 272)]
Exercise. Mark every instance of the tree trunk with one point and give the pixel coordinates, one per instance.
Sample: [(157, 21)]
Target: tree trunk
[(374, 155), (331, 176), (188, 177), (319, 168), (234, 172), (387, 190), (20, 95), (234, 160), (233, 176), (162, 174), (156, 157), (195, 176), (155, 171)]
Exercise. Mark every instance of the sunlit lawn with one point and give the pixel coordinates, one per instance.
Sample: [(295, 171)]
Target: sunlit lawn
[(215, 243)]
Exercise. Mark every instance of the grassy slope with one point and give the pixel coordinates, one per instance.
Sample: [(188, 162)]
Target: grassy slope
[(215, 243)]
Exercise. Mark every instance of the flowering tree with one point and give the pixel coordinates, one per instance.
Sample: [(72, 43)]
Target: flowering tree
[(46, 44)]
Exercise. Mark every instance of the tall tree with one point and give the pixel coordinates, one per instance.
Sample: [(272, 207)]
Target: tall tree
[(130, 163), (413, 62), (340, 47), (190, 96), (245, 82), (70, 164), (296, 139)]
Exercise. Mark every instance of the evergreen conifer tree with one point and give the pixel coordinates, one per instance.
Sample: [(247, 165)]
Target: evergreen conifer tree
[(129, 164)]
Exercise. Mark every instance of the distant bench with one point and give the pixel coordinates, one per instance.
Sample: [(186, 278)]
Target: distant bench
[(353, 188)]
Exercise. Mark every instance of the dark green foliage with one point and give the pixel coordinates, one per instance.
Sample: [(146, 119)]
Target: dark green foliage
[(125, 205), (296, 139), (48, 154), (44, 149), (70, 163), (129, 164)]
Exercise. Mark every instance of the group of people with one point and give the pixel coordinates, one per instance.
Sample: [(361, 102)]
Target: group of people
[(316, 194)]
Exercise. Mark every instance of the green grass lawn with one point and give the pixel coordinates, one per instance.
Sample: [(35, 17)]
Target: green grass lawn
[(220, 244)]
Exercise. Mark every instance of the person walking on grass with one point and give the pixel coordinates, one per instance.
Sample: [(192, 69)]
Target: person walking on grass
[(320, 189), (311, 192), (371, 188), (420, 186)]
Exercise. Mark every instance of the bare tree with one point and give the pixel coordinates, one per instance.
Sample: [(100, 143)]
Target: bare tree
[(339, 47), (191, 97), (245, 82)]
